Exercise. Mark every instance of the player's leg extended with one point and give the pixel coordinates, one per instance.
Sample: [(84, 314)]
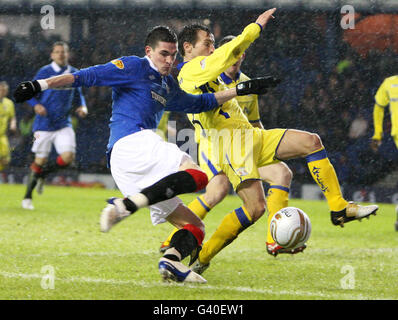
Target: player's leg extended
[(279, 176), (252, 194), (296, 143), (189, 179), (216, 190)]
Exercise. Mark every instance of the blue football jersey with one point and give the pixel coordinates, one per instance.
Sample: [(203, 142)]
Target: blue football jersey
[(140, 94), (58, 102)]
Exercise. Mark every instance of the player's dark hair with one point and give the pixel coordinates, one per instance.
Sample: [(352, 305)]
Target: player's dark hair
[(226, 39), (190, 34), (60, 43), (160, 34)]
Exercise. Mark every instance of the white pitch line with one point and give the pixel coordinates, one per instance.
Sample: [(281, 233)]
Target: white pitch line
[(152, 252), (146, 284)]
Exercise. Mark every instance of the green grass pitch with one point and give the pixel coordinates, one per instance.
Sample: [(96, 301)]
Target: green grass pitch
[(61, 238)]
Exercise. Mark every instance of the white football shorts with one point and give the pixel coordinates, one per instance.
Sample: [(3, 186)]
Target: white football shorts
[(141, 159), (64, 140)]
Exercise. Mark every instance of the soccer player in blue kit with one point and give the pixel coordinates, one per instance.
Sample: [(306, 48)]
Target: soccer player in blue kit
[(148, 170), (52, 124)]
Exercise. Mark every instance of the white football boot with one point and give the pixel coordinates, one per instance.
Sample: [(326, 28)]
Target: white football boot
[(112, 214), (176, 271), (352, 212), (27, 204)]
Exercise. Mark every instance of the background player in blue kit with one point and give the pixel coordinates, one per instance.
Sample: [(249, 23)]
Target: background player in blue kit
[(147, 170), (52, 124)]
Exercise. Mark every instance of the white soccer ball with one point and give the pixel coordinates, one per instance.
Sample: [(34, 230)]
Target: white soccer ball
[(290, 227)]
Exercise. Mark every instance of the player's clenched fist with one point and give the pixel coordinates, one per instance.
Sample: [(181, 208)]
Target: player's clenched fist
[(26, 90), (265, 16)]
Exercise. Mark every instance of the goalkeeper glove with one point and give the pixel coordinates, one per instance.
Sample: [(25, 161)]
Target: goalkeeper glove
[(27, 90), (257, 85)]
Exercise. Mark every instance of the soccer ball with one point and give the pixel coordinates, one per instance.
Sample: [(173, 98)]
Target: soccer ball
[(290, 227)]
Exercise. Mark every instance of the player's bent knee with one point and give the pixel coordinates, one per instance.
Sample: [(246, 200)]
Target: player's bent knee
[(216, 191), (285, 176), (68, 157), (312, 142), (317, 142)]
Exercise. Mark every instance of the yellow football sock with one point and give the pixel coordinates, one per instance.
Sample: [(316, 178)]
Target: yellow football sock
[(198, 207), (277, 198), (323, 173), (232, 224)]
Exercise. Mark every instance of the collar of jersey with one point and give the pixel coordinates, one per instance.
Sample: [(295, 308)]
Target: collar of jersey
[(227, 79), (180, 65), (58, 69), (151, 64)]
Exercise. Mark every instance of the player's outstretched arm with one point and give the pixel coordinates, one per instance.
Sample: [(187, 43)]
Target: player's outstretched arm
[(28, 89)]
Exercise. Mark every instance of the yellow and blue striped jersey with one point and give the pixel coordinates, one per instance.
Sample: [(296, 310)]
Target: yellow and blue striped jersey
[(7, 112), (202, 74), (248, 103), (387, 94)]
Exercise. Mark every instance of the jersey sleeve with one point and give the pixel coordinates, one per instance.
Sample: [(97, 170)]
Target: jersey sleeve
[(381, 97), (201, 70), (184, 102), (116, 73)]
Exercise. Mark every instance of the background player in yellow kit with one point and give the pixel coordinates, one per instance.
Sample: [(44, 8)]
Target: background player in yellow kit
[(278, 175), (387, 94), (199, 73), (7, 120)]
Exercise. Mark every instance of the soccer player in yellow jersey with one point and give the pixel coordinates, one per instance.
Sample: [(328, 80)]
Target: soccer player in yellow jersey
[(278, 175), (387, 94), (7, 120), (244, 149)]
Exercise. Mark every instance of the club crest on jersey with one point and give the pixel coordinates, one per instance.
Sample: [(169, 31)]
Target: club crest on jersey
[(158, 98), (118, 63), (242, 171), (203, 63)]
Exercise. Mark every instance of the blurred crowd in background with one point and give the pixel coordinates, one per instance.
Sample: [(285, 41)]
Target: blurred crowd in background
[(327, 87)]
